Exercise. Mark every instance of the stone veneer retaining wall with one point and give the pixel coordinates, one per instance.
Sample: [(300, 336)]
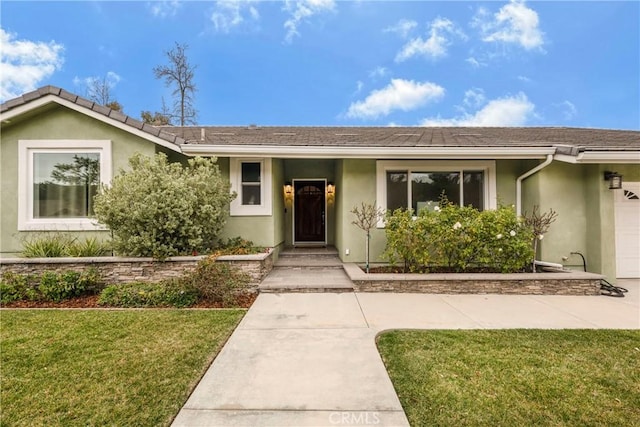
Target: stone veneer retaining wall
[(122, 270), (565, 283)]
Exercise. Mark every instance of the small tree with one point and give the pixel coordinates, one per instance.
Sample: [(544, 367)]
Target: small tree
[(539, 224), (366, 219), (99, 91), (162, 209)]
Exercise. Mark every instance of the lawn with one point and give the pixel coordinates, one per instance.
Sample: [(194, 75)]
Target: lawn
[(516, 377), (105, 367)]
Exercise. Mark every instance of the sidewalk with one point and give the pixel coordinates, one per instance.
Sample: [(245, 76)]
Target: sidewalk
[(311, 360)]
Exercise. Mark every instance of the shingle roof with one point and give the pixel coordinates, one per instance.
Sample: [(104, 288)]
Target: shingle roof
[(580, 138), (563, 138), (97, 108)]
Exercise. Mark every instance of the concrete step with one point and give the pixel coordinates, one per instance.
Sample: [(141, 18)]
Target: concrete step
[(306, 279)]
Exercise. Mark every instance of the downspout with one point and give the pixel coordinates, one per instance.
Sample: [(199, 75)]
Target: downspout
[(525, 176)]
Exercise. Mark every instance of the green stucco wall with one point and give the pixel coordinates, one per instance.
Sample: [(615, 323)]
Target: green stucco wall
[(55, 123), (585, 207)]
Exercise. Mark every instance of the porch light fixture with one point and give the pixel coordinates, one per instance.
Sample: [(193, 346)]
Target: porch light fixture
[(615, 180), (331, 188), (288, 189)]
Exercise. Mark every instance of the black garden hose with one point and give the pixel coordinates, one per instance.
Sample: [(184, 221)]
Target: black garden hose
[(606, 288)]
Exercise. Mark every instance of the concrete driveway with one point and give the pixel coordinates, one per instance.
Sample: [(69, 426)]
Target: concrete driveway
[(310, 359)]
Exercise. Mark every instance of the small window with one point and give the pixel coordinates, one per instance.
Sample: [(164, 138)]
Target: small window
[(58, 180), (251, 180), (251, 194)]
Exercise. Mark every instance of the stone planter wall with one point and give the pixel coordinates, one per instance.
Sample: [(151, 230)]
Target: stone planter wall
[(569, 283), (121, 270)]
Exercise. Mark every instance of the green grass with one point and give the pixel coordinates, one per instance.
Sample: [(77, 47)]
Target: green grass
[(94, 367), (516, 377)]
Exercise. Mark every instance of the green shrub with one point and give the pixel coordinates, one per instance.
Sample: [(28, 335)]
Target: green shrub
[(48, 286), (216, 281), (458, 239), (47, 245), (15, 287), (61, 286), (161, 209), (90, 247), (167, 293), (52, 245), (238, 246)]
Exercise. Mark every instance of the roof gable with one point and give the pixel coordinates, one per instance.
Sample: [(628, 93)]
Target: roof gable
[(51, 94)]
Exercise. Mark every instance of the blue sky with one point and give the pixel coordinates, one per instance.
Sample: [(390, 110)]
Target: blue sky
[(351, 63)]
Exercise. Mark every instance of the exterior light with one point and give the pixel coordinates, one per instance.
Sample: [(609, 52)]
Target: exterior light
[(331, 188), (615, 180), (288, 189)]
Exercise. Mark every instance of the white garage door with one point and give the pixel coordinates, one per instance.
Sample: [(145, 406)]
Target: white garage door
[(627, 217)]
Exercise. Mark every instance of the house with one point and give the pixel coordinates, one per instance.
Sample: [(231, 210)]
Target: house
[(297, 185)]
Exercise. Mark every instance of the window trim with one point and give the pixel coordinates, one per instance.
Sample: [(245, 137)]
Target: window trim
[(486, 166), (235, 177), (26, 150)]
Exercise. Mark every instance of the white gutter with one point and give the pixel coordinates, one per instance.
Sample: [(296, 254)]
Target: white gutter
[(332, 152), (527, 175)]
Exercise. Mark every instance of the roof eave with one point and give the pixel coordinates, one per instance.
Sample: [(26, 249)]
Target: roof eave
[(330, 152)]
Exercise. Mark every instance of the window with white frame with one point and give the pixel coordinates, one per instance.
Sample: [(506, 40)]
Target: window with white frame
[(58, 180), (420, 184), (251, 180)]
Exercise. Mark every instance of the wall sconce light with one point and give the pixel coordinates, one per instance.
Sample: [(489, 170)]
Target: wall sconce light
[(288, 189), (615, 180), (331, 188)]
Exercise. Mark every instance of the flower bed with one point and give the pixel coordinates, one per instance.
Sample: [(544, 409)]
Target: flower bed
[(122, 270), (564, 283)]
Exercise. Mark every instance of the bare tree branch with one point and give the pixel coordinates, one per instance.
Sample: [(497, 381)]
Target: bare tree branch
[(179, 74)]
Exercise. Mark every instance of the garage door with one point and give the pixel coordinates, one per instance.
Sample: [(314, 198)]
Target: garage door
[(627, 217)]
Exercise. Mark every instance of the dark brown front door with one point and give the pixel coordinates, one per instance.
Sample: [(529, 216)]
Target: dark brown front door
[(309, 211)]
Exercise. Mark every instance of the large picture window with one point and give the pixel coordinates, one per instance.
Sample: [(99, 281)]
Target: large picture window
[(251, 180), (420, 185), (58, 181)]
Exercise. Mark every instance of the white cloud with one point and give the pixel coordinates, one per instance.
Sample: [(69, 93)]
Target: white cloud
[(229, 14), (403, 27), (111, 79), (24, 64), (513, 23), (162, 9), (524, 79), (475, 62), (568, 108), (474, 98), (400, 94), (378, 72), (359, 86), (301, 11), (508, 111), (441, 30)]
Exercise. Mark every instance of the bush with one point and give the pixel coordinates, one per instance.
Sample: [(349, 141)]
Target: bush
[(238, 246), (458, 239), (48, 286), (90, 247), (161, 209), (54, 245), (47, 245), (216, 281), (167, 293)]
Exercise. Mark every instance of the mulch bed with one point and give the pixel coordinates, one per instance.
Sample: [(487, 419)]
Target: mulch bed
[(91, 301)]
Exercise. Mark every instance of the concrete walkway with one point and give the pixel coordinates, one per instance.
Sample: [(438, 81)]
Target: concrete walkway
[(310, 359)]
